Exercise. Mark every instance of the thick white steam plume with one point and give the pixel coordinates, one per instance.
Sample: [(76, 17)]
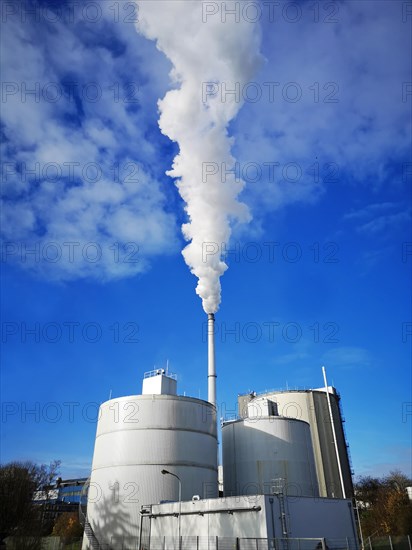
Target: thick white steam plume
[(212, 54)]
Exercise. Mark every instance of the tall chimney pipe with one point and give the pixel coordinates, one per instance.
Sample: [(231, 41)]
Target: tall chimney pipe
[(211, 367)]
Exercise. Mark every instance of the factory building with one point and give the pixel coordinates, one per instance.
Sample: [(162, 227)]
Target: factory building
[(155, 483), (312, 406), (63, 496), (155, 461)]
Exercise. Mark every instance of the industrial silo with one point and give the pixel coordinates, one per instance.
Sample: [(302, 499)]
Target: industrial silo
[(266, 452), (312, 407), (137, 437)]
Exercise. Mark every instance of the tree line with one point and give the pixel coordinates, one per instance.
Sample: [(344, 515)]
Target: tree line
[(383, 504), (21, 516)]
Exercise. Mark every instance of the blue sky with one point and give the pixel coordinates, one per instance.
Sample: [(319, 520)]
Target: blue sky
[(319, 276)]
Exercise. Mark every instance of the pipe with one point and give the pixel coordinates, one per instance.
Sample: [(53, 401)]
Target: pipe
[(208, 512), (334, 433), (211, 366)]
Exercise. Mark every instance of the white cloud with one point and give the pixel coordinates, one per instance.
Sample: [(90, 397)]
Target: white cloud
[(82, 168), (384, 223), (360, 63), (370, 210), (379, 217), (347, 357)]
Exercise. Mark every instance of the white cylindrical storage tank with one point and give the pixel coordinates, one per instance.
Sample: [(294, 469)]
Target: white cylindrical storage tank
[(260, 450), (137, 437)]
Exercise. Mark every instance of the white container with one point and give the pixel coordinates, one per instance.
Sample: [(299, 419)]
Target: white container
[(268, 454), (137, 437)]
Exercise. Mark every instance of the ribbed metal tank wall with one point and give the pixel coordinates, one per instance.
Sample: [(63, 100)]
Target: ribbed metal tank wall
[(136, 438), (260, 450), (312, 406)]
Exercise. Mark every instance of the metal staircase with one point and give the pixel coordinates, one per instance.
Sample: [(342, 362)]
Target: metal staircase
[(88, 530), (94, 543)]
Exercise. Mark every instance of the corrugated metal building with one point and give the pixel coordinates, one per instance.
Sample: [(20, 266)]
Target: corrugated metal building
[(256, 521)]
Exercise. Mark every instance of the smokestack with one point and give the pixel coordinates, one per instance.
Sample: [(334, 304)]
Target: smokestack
[(211, 367)]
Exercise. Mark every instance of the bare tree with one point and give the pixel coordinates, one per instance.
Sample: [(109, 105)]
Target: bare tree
[(20, 517)]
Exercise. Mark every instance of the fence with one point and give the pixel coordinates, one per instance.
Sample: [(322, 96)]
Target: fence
[(40, 543), (388, 543), (233, 543)]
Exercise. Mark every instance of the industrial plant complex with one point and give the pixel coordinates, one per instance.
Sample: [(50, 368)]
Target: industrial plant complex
[(155, 484), (226, 184)]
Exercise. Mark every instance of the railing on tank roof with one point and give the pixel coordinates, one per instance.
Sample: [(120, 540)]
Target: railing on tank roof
[(156, 372), (287, 390)]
